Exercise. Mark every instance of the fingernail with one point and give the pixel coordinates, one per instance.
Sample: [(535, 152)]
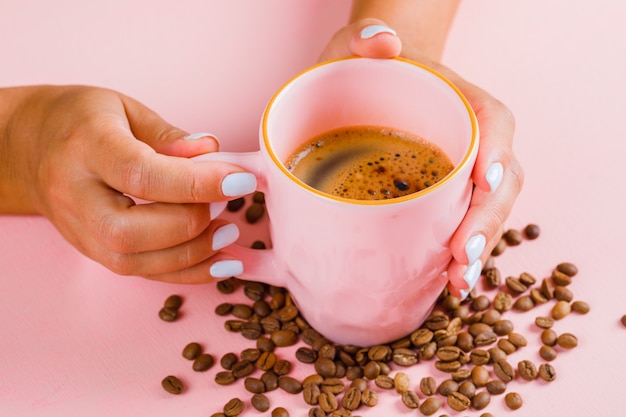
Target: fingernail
[(224, 236), (201, 135), (215, 209), (239, 183), (373, 30), (475, 247), (494, 175), (471, 277), (226, 269)]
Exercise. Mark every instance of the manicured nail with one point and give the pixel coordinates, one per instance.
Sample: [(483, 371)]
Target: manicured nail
[(475, 247), (373, 30), (239, 183), (224, 236), (471, 277), (215, 209), (226, 269), (494, 175), (201, 135)]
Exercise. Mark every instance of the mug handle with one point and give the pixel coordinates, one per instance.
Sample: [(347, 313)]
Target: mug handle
[(258, 265)]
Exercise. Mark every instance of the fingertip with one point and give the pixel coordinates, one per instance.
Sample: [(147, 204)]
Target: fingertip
[(376, 40)]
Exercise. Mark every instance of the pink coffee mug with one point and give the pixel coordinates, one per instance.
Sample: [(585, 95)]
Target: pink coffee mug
[(360, 272)]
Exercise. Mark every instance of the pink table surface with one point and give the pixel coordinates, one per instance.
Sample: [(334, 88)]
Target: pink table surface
[(75, 339)]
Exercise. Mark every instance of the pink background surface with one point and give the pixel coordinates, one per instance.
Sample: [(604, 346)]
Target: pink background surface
[(75, 339)]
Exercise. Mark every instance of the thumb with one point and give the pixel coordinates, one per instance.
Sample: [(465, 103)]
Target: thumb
[(370, 38), (148, 127)]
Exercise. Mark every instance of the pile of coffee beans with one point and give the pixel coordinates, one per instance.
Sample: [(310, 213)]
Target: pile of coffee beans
[(468, 343)]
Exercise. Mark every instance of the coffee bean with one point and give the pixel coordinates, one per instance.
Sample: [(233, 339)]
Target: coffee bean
[(527, 279), (567, 341), (255, 212), (623, 320), (311, 393), (260, 402), (496, 387), (563, 293), (270, 380), (234, 407), (468, 389), (496, 354), (502, 302), (515, 285), (410, 399), (341, 413), (223, 309), (504, 370), (254, 385), (233, 325), (255, 291), (580, 307), (250, 354), (567, 268), (242, 369), (458, 401), (485, 338), (532, 231), (547, 288), (384, 381), (461, 375), (258, 244), (316, 412), (481, 400), (491, 317), (430, 406), (352, 399), (527, 370), (226, 286), (547, 372), (448, 353), (517, 339), (326, 367), (404, 357), (228, 360), (437, 320), (559, 278), (242, 311), (465, 341), (524, 303), (428, 385), (513, 400), (203, 362), (334, 385), (492, 277), (369, 397), (560, 310), (288, 313), (480, 303), (192, 351), (235, 204), (265, 344), (507, 346), (448, 366), (280, 412), (282, 367), (547, 353), (512, 237), (544, 322), (503, 327), (168, 314), (172, 384), (173, 301), (266, 361), (224, 378), (499, 248), (548, 337), (538, 296), (447, 387), (251, 330), (401, 382), (289, 384), (218, 415), (328, 402), (284, 338), (480, 376)]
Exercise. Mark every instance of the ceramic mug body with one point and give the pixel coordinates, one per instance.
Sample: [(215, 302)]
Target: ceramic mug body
[(361, 272)]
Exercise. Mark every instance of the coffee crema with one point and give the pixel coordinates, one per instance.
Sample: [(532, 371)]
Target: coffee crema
[(369, 163)]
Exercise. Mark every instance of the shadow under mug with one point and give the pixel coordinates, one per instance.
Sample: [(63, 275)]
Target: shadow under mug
[(360, 272)]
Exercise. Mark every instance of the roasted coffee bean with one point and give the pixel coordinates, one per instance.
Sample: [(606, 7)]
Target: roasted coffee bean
[(224, 378), (404, 357), (458, 401), (437, 320), (430, 406), (369, 397), (334, 385), (468, 389), (242, 369), (270, 324), (559, 278), (496, 387), (223, 309), (480, 303), (527, 279), (328, 402), (515, 285), (218, 415), (371, 370), (289, 384), (326, 367), (524, 303), (282, 367), (477, 328), (341, 413), (172, 384), (532, 231), (261, 308), (234, 326), (527, 370), (547, 353), (547, 288), (623, 320), (203, 362), (481, 400), (255, 291), (428, 385), (448, 366), (461, 375), (567, 341), (251, 330), (270, 380), (507, 346), (258, 244), (250, 354), (493, 279), (242, 311), (548, 337), (168, 314), (447, 387), (384, 381), (311, 393), (316, 412), (352, 399), (192, 351), (512, 237), (235, 204), (354, 372), (260, 402), (254, 385), (491, 317), (560, 310), (499, 248), (328, 351), (255, 212), (465, 341), (233, 407), (517, 339), (563, 293), (228, 360), (450, 302), (448, 353), (513, 400), (503, 327), (538, 296), (401, 382), (544, 322), (174, 301), (266, 361), (287, 313), (547, 372), (379, 353), (567, 268), (502, 302), (504, 370), (284, 338), (265, 344), (580, 307), (226, 286), (410, 399), (280, 412), (316, 379), (485, 338), (480, 376), (496, 354)]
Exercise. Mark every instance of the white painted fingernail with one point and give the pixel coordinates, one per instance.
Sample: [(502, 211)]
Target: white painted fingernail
[(201, 135), (217, 208), (471, 277), (226, 269), (239, 183), (373, 30), (475, 247), (224, 236), (494, 175)]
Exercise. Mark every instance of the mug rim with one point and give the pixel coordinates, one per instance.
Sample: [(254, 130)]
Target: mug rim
[(396, 200)]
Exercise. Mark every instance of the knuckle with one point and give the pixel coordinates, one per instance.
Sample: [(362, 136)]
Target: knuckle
[(115, 234), (121, 263)]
